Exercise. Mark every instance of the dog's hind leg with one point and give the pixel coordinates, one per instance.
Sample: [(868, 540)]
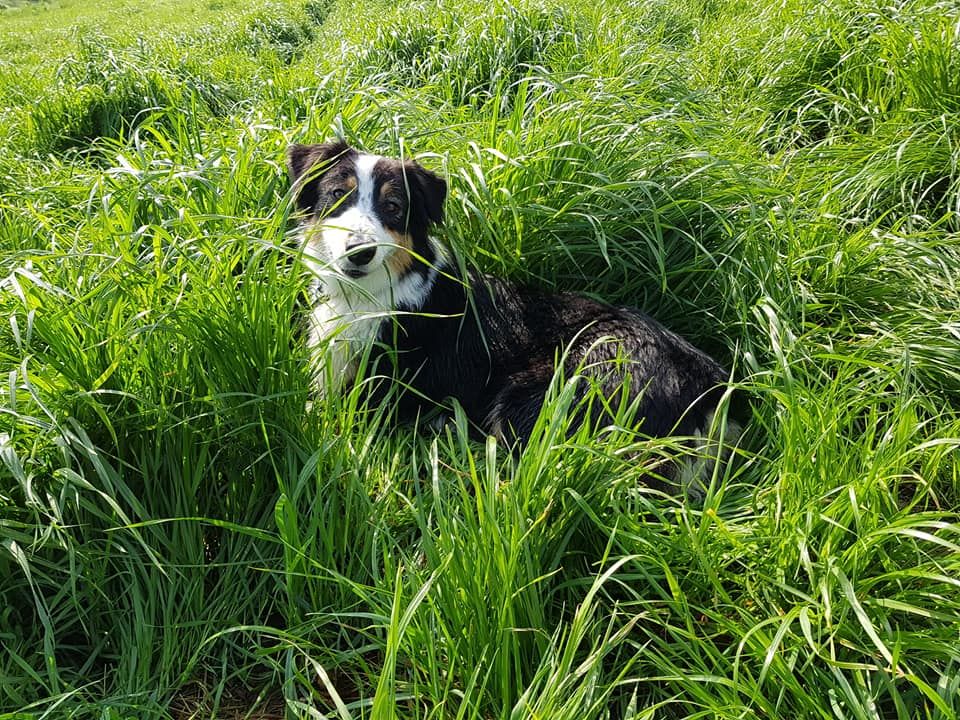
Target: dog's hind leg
[(708, 446), (514, 410)]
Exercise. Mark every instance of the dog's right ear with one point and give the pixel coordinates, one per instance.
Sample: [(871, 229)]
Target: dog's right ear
[(306, 163)]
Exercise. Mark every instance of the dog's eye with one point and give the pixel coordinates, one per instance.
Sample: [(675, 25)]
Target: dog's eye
[(391, 207), (337, 193)]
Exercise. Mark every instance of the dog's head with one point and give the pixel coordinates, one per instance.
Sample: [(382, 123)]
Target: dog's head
[(366, 217)]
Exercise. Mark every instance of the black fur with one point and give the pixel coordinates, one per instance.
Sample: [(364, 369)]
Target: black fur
[(308, 165), (494, 349)]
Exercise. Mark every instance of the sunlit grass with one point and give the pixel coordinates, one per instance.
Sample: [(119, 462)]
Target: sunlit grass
[(180, 530)]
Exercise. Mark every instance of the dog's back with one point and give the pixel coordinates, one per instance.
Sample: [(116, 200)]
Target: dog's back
[(494, 346)]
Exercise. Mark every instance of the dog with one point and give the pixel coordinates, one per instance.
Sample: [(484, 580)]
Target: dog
[(387, 291)]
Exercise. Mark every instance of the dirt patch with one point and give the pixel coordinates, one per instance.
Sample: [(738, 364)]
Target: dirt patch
[(234, 701)]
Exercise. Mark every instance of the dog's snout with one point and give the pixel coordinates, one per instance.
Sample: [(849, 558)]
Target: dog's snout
[(360, 251)]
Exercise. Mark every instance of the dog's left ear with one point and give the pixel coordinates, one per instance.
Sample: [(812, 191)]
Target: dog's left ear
[(430, 189), (299, 158)]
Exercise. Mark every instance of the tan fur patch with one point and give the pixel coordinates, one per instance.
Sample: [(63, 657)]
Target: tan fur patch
[(386, 190), (400, 259)]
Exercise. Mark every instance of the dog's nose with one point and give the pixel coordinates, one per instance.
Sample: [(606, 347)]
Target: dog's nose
[(361, 252)]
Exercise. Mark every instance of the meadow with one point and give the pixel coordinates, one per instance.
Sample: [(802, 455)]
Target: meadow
[(183, 536)]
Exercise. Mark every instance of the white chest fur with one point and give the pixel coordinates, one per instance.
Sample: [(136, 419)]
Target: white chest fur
[(347, 313), (342, 326)]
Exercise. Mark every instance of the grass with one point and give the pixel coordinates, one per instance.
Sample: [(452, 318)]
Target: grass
[(180, 537)]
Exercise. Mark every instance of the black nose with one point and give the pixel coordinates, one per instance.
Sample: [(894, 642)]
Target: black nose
[(362, 254)]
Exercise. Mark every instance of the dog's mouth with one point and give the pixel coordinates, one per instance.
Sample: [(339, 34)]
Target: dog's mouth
[(354, 273)]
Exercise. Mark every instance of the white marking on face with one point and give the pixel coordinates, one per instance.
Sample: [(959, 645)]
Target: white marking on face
[(364, 165), (358, 224)]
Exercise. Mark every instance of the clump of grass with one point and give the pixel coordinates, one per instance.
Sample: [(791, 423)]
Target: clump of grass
[(198, 408), (173, 516), (281, 33), (318, 10), (874, 88), (851, 66), (481, 55), (106, 92)]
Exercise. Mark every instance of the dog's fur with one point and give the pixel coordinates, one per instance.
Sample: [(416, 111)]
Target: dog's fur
[(485, 341)]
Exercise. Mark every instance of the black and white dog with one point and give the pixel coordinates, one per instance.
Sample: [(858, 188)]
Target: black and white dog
[(485, 341)]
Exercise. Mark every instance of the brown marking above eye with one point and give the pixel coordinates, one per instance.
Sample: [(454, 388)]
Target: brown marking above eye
[(390, 199), (336, 186)]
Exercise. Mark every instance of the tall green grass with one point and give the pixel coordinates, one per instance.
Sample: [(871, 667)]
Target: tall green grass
[(183, 535)]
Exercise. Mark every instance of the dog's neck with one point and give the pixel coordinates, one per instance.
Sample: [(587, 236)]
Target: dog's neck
[(348, 315)]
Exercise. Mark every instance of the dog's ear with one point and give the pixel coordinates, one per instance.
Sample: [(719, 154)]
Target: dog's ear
[(306, 163), (429, 189)]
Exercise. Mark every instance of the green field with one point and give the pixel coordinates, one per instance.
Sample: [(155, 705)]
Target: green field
[(180, 537)]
